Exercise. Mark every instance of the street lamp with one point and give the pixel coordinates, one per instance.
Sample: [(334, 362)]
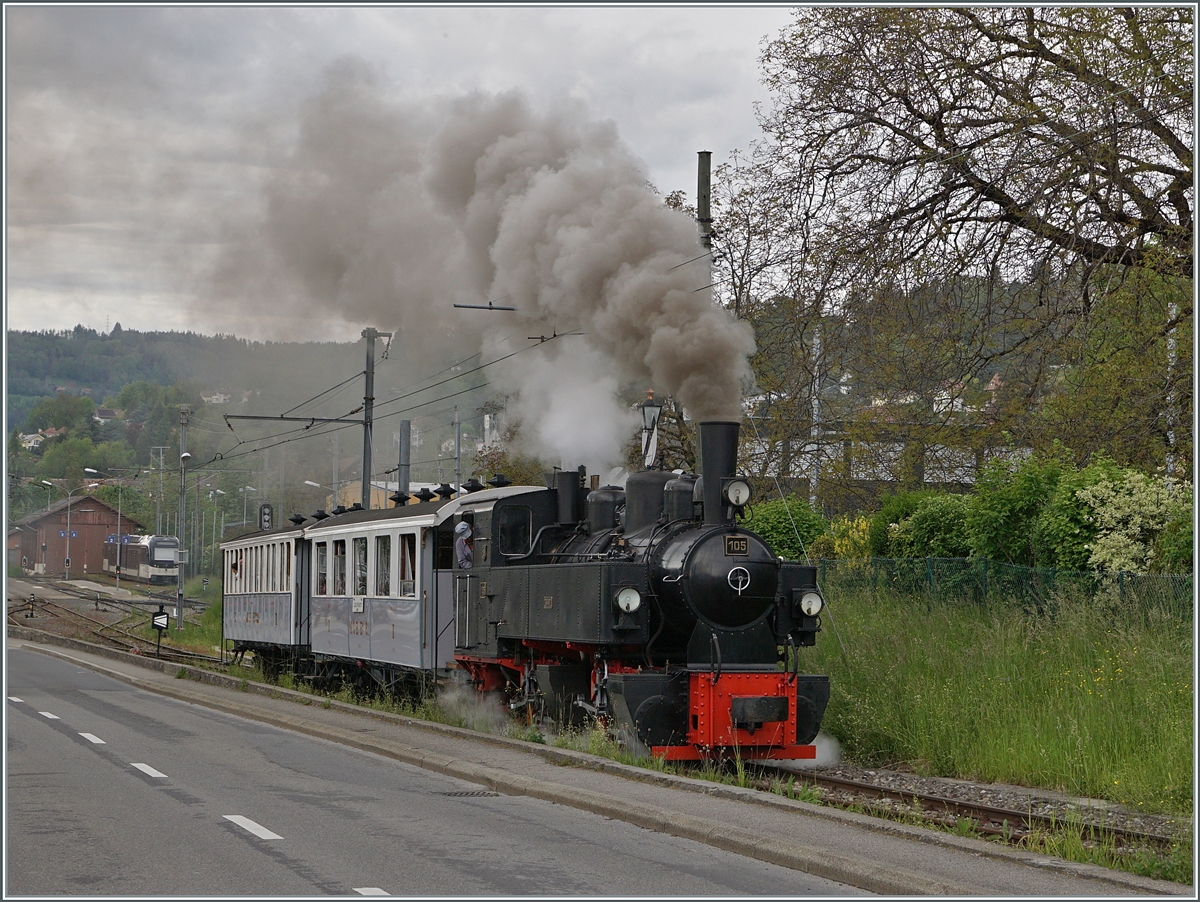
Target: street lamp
[(49, 485), (651, 410), (67, 561), (119, 487), (244, 490), (181, 565)]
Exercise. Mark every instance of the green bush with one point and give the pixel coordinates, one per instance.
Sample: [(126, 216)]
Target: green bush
[(1007, 501), (1065, 526), (937, 528), (788, 525), (1173, 550), (894, 509)]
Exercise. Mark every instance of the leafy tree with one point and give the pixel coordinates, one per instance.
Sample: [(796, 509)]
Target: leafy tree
[(63, 411), (1125, 384), (1173, 552), (788, 525), (1007, 500), (131, 502), (67, 459)]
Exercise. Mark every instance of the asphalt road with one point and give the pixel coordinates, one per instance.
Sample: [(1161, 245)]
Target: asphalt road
[(112, 790)]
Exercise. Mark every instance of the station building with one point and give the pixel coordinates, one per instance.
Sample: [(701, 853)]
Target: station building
[(38, 542)]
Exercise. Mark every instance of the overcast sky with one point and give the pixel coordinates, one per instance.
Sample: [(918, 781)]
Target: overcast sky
[(139, 140)]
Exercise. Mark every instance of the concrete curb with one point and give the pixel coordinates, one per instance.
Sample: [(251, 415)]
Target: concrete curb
[(858, 872)]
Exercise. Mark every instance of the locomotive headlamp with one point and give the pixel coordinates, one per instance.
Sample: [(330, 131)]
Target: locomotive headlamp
[(811, 604), (736, 491), (629, 600)]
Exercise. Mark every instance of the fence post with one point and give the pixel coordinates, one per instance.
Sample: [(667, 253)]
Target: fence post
[(930, 584), (1121, 586)]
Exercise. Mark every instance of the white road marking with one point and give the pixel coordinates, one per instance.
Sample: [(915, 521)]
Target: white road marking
[(91, 737), (19, 701), (257, 829), (370, 891), (49, 715), (149, 771)]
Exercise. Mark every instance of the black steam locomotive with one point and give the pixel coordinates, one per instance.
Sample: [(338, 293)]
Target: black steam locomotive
[(647, 606)]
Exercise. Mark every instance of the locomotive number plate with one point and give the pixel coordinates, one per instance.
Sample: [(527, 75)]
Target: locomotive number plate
[(736, 546)]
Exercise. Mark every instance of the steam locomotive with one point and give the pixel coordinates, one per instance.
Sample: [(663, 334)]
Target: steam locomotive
[(647, 606)]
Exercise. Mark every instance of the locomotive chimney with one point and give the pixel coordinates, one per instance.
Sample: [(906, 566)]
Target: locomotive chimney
[(718, 460)]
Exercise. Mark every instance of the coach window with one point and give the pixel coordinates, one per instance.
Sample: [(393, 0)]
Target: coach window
[(272, 553), (322, 569), (515, 528), (360, 566), (339, 566), (408, 565), (383, 565), (287, 568), (241, 565)]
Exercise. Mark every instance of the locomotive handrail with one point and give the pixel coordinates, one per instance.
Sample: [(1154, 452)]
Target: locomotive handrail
[(715, 646), (532, 545), (795, 660)]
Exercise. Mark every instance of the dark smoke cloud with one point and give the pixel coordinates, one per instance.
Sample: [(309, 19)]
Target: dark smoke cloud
[(386, 214)]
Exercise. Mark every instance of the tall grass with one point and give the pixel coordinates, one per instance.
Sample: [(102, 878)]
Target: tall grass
[(1089, 700)]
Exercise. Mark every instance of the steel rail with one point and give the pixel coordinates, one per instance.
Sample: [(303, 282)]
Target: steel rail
[(989, 820)]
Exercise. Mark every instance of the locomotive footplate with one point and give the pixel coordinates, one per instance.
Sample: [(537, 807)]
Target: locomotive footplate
[(772, 715)]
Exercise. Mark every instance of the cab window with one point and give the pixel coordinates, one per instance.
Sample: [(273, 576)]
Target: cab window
[(515, 524)]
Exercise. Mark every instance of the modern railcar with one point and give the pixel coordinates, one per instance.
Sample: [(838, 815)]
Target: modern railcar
[(152, 560)]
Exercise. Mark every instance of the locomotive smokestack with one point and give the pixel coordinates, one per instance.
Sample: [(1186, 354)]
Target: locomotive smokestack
[(718, 460)]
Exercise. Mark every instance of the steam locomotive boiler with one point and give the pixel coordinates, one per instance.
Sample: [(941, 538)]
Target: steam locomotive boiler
[(648, 606)]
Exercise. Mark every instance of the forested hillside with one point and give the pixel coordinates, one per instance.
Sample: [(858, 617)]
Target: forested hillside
[(84, 361)]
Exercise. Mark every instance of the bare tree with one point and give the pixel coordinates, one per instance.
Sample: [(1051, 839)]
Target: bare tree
[(952, 199)]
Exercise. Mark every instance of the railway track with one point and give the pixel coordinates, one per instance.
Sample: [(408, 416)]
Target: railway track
[(1009, 824), (152, 598), (107, 634)]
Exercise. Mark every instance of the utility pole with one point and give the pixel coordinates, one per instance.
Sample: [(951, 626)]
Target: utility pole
[(158, 500), (336, 468), (703, 200), (185, 413), (457, 451), (370, 334), (704, 220), (402, 473)]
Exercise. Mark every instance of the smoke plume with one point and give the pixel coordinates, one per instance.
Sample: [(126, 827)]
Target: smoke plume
[(388, 215)]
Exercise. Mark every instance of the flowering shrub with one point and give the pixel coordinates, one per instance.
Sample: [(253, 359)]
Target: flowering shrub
[(851, 537), (1130, 513)]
